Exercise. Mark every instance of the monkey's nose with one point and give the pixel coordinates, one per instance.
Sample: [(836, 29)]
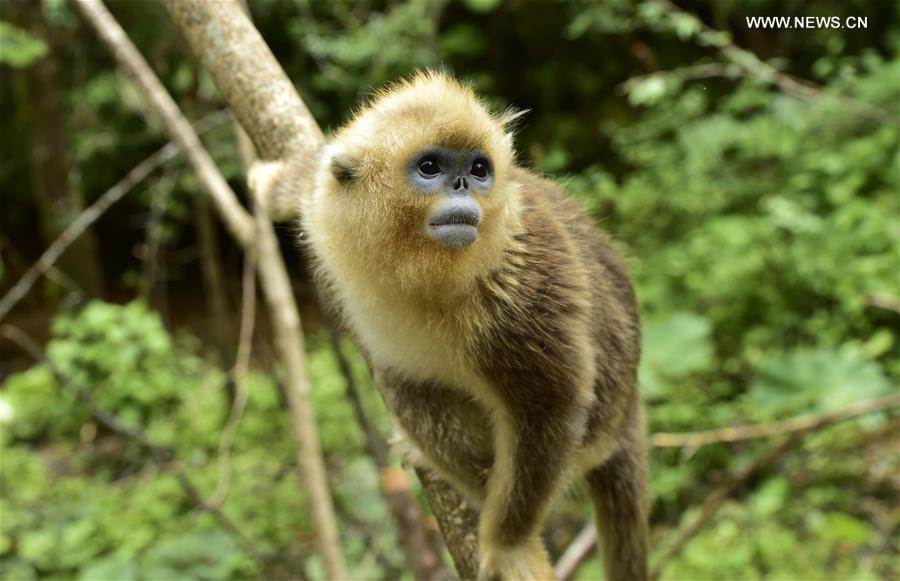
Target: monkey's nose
[(460, 183)]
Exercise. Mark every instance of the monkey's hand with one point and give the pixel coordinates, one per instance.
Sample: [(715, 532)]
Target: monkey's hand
[(527, 562), (278, 185), (262, 176)]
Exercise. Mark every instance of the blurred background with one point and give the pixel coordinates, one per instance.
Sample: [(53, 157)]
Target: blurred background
[(751, 176)]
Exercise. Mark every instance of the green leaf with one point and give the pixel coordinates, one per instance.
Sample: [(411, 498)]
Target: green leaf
[(844, 528), (820, 379), (18, 48), (673, 347), (482, 6)]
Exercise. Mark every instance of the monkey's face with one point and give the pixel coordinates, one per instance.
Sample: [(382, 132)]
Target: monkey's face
[(454, 178), (415, 190)]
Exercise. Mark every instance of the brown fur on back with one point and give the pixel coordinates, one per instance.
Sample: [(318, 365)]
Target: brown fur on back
[(510, 365)]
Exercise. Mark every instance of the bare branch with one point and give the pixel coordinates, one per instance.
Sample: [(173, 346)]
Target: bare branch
[(93, 213), (717, 497), (794, 425), (238, 376), (236, 219), (458, 522), (584, 544), (886, 302), (272, 113), (276, 285)]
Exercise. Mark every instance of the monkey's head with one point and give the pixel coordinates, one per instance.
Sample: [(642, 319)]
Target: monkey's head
[(415, 190)]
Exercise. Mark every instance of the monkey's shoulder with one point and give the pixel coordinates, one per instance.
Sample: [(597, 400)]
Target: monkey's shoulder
[(557, 226)]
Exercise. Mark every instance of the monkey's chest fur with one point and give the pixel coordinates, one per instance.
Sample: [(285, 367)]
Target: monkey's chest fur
[(549, 335)]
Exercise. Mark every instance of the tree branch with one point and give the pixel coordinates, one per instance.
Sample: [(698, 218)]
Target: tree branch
[(236, 219), (577, 552), (271, 112), (717, 497), (276, 285), (93, 213), (586, 541), (799, 424)]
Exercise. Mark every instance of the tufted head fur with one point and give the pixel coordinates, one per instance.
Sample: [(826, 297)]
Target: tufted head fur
[(364, 219)]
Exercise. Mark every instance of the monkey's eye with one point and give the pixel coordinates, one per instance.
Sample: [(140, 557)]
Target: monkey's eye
[(428, 167), (479, 169)]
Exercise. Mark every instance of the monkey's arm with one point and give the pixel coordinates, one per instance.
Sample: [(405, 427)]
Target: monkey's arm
[(448, 429), (281, 183)]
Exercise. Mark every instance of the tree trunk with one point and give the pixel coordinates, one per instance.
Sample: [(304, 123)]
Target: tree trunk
[(57, 199)]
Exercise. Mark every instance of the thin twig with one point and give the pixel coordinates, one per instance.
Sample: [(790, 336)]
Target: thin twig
[(799, 424), (239, 376), (160, 454), (717, 497), (236, 219), (586, 541), (422, 556), (577, 552), (95, 210), (886, 302), (153, 236)]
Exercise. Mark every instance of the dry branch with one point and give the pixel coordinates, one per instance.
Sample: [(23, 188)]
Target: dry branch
[(276, 285), (577, 552), (93, 213), (793, 425), (717, 497), (238, 376), (586, 541), (235, 217)]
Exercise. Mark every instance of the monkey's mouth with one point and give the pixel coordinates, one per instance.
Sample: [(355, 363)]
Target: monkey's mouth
[(454, 230), (454, 222)]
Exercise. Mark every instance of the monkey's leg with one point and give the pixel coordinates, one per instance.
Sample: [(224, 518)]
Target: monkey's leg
[(618, 489), (533, 459), (447, 427)]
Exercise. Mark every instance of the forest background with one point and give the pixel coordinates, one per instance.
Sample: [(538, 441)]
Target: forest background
[(751, 176)]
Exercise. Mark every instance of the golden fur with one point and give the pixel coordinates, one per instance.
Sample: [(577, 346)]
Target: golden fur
[(510, 365)]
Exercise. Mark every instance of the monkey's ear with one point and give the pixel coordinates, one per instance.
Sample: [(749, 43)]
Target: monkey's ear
[(345, 168)]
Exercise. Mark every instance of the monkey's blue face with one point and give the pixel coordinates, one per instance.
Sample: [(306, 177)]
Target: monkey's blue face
[(455, 177)]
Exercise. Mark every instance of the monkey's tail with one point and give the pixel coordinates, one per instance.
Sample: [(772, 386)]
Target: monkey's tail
[(618, 489)]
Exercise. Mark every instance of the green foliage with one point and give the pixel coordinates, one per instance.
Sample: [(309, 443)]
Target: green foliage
[(18, 48), (760, 226), (80, 501)]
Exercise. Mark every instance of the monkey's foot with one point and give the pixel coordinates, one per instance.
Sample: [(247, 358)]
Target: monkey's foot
[(525, 563)]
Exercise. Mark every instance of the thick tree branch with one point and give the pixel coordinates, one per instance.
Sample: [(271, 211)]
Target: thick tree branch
[(457, 520), (236, 219), (246, 230), (271, 112)]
